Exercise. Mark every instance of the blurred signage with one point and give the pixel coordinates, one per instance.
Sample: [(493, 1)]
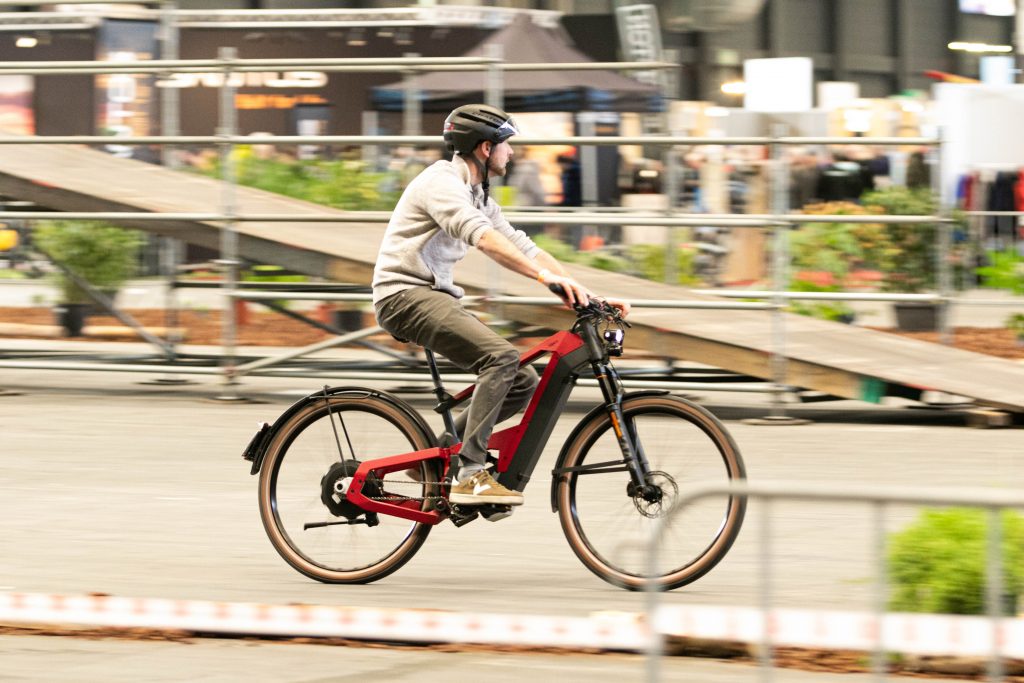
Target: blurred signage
[(16, 114), (254, 79), (998, 70), (640, 37), (125, 101), (996, 8), (250, 101), (837, 94), (783, 84)]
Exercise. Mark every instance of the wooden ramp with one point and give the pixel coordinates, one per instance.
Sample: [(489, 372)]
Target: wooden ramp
[(840, 360)]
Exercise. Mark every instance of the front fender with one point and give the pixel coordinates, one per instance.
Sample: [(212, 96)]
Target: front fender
[(587, 419), (256, 451)]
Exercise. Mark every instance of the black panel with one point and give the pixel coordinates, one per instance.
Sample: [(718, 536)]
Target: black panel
[(549, 409)]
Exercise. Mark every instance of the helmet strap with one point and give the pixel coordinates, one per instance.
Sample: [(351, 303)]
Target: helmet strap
[(485, 183)]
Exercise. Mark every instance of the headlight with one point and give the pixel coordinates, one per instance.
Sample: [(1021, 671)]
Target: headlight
[(613, 341)]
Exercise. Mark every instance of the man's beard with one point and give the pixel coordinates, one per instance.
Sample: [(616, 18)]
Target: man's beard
[(494, 169)]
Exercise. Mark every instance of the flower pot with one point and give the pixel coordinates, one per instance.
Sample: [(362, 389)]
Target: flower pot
[(71, 317), (916, 316)]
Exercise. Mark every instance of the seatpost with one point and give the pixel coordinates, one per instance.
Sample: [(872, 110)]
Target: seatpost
[(443, 397)]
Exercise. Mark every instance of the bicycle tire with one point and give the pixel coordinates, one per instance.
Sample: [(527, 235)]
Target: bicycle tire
[(585, 501), (294, 474)]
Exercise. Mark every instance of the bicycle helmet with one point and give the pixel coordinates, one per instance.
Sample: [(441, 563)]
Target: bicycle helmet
[(469, 125)]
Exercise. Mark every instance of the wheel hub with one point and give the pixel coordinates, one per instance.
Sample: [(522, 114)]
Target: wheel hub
[(656, 496), (334, 486)]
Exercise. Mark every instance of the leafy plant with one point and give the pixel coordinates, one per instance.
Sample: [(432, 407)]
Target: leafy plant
[(938, 564), (1015, 323), (643, 260), (907, 255), (835, 248), (1005, 271), (836, 311), (649, 262), (342, 184), (101, 254), (269, 273)]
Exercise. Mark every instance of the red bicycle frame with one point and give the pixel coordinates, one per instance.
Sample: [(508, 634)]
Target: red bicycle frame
[(519, 447)]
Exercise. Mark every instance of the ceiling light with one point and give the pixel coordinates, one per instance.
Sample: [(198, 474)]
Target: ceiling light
[(734, 88), (26, 41), (978, 48)]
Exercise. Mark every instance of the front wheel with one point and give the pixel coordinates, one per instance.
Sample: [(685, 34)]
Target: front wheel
[(305, 477), (607, 519)]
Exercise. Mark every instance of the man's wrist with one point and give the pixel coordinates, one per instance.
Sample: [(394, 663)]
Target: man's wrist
[(543, 275)]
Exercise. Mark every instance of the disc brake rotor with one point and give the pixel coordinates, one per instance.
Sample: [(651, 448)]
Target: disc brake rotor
[(657, 496)]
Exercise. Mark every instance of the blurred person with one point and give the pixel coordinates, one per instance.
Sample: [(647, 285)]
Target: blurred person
[(572, 187), (445, 210), (524, 178), (918, 172)]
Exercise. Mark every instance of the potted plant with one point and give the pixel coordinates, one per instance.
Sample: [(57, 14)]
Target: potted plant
[(102, 255), (827, 257), (907, 255)]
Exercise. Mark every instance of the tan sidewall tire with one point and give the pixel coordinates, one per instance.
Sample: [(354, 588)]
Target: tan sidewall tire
[(389, 564), (713, 555)]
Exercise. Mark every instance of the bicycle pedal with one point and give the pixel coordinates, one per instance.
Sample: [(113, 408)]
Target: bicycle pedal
[(461, 517), (496, 513)]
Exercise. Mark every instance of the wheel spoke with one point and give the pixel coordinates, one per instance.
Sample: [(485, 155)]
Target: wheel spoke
[(307, 516), (609, 528)]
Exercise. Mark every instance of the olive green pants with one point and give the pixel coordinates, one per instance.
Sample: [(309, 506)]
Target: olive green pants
[(437, 321)]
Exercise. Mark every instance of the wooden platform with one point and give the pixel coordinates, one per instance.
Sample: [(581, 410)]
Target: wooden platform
[(833, 358)]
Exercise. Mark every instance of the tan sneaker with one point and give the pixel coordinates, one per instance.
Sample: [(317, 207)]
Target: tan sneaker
[(481, 489)]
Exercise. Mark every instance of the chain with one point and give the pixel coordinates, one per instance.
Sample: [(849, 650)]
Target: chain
[(395, 498)]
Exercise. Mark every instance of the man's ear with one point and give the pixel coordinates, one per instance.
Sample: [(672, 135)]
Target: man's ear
[(486, 146)]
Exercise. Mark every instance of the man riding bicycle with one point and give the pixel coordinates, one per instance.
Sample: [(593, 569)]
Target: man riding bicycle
[(443, 211)]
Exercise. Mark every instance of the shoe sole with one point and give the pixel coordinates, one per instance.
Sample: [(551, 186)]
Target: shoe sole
[(469, 499)]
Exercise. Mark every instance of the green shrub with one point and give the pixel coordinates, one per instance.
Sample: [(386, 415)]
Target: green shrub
[(1005, 271), (938, 564), (649, 262), (101, 254), (643, 260), (835, 311), (341, 184), (1015, 323)]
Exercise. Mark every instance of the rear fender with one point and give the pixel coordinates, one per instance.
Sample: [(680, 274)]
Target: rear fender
[(587, 419), (256, 451)]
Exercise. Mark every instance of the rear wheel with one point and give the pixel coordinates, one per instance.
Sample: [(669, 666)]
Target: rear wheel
[(607, 520), (304, 479)]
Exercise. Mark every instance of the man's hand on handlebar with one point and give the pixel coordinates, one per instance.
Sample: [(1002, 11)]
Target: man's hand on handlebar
[(622, 305), (571, 292)]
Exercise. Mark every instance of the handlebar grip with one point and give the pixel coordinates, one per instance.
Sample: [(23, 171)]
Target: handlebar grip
[(557, 290)]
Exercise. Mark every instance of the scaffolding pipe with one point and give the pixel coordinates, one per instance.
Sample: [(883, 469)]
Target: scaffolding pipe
[(400, 140)]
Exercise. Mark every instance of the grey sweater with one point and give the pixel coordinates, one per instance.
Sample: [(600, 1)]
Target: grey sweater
[(439, 216)]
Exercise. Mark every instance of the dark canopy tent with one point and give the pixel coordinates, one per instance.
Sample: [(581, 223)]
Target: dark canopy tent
[(523, 42)]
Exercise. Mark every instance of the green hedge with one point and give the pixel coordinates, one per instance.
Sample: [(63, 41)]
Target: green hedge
[(938, 564)]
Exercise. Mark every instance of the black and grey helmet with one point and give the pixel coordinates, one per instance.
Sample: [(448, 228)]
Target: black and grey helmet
[(471, 124)]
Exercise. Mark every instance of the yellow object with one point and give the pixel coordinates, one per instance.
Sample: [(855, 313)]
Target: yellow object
[(8, 239)]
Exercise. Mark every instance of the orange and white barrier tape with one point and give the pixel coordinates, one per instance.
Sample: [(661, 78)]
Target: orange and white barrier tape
[(907, 633), (611, 632), (937, 634)]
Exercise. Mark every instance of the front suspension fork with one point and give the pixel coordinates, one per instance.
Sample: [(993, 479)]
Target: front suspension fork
[(625, 430)]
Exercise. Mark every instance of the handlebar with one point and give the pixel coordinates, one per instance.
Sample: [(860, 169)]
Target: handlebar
[(594, 307)]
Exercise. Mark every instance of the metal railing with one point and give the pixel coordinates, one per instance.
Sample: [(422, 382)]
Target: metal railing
[(879, 498), (779, 220)]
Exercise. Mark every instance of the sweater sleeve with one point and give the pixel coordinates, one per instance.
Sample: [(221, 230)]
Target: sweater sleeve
[(449, 203), (519, 238)]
